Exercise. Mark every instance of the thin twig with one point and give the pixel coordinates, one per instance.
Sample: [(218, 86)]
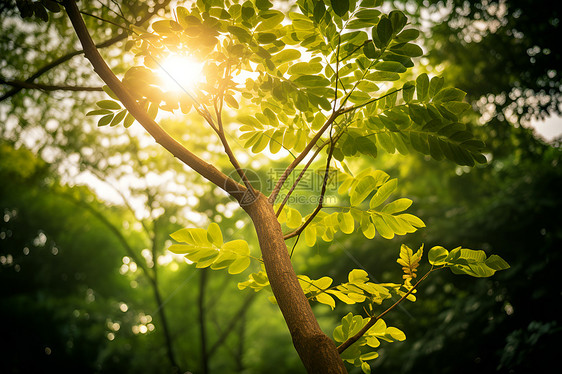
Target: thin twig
[(298, 231), (342, 347), (53, 64), (301, 156)]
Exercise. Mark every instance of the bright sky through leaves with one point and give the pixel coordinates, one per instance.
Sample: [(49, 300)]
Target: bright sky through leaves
[(181, 71)]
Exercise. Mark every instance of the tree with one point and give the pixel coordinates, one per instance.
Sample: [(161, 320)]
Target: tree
[(320, 94)]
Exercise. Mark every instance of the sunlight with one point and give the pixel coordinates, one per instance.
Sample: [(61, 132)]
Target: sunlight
[(180, 73)]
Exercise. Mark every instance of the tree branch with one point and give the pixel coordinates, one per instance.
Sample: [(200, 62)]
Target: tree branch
[(47, 87), (68, 56), (232, 324), (342, 347), (322, 193), (203, 168), (231, 156), (301, 156)]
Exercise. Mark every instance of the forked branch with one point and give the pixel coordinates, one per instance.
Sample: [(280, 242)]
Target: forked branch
[(205, 169)]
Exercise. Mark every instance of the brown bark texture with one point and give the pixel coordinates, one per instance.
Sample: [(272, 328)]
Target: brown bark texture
[(317, 351)]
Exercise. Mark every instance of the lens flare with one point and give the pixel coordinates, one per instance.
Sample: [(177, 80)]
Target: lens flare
[(181, 73)]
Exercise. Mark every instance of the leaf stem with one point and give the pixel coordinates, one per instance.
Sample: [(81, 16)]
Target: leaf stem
[(342, 347)]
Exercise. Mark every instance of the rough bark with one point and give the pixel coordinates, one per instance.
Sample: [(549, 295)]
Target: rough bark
[(317, 351)]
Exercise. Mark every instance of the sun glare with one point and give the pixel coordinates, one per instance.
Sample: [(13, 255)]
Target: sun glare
[(181, 73)]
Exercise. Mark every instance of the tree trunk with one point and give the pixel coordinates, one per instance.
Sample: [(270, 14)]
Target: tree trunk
[(316, 350)]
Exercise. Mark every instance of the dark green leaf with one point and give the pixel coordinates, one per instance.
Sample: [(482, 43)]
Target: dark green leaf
[(51, 5), (383, 32), (368, 14), (407, 35), (265, 37), (381, 76), (109, 104), (366, 146), (319, 10), (434, 148), (408, 91), (98, 112), (263, 4), (422, 86), (248, 10), (407, 49), (370, 51), (105, 120), (40, 12), (391, 66), (340, 7), (449, 94), (398, 20), (242, 34), (435, 85)]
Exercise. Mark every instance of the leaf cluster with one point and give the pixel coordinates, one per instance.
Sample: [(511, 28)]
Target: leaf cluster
[(206, 248)]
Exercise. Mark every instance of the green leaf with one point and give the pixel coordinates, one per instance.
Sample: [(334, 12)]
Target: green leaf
[(346, 222), (129, 119), (294, 218), (109, 104), (311, 81), (248, 10), (422, 86), (324, 298), (391, 66), (239, 265), (242, 34), (105, 120), (319, 11), (398, 20), (362, 189), (98, 112), (118, 117), (370, 51), (383, 33), (263, 4), (214, 234), (305, 68), (397, 206), (407, 35), (449, 94), (262, 141), (409, 261), (437, 255), (365, 367), (366, 146), (368, 14), (407, 49), (340, 7), (435, 85), (383, 193), (383, 76), (231, 101), (286, 55), (408, 91)]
